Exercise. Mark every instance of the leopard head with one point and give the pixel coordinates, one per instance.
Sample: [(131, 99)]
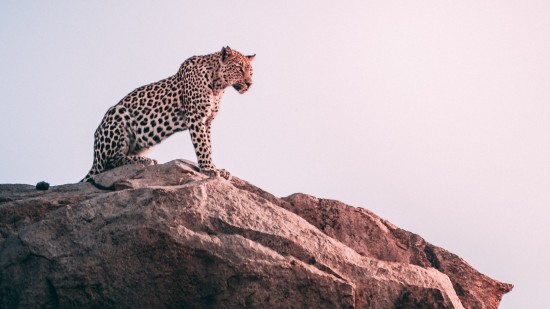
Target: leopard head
[(235, 69)]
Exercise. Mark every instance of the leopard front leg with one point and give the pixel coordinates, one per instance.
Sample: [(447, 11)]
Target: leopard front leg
[(200, 136), (220, 172)]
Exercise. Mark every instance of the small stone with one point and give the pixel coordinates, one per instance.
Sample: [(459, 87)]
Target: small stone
[(43, 186)]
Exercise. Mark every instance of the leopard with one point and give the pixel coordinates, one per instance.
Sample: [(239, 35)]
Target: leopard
[(188, 100)]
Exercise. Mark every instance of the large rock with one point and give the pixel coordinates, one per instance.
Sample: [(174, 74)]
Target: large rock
[(167, 236)]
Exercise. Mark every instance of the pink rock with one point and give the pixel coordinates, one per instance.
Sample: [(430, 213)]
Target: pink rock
[(167, 236)]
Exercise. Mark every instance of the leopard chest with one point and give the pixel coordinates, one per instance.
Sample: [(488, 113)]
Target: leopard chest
[(212, 109)]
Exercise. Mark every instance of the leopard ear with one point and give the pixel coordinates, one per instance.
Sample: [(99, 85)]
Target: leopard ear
[(251, 57), (226, 53)]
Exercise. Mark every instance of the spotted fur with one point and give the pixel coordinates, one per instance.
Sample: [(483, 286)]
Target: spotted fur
[(188, 100)]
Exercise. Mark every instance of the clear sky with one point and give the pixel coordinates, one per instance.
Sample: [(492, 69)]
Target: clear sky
[(433, 114)]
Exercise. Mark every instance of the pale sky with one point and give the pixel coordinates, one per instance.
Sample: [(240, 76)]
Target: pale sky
[(433, 114)]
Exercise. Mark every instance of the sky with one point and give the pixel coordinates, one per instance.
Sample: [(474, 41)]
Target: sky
[(432, 114)]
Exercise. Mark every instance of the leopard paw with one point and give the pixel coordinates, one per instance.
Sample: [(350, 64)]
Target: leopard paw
[(224, 174), (147, 161), (210, 172), (217, 173)]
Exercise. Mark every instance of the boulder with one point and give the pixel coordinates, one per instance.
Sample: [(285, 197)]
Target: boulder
[(168, 236)]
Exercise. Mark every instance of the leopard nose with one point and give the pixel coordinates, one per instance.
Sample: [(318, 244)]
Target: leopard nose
[(248, 84)]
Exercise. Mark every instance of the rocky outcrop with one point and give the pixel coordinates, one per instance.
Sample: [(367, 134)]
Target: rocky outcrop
[(167, 236)]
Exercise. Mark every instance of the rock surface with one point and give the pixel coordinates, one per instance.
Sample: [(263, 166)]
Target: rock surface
[(167, 236)]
